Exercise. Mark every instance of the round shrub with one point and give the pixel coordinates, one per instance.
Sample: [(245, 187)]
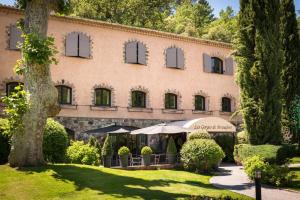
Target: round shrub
[(242, 137), (123, 151), (107, 149), (146, 150), (171, 148), (254, 163), (4, 141), (199, 134), (55, 142), (201, 154), (81, 153)]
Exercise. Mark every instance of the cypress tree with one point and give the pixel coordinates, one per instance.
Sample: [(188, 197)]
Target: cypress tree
[(291, 61), (258, 55)]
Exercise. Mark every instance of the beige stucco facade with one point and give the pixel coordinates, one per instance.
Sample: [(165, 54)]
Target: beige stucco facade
[(107, 68)]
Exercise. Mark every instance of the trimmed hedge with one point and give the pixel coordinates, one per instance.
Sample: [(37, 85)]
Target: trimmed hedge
[(226, 142), (55, 142), (146, 150), (271, 153), (242, 137), (198, 134), (201, 155), (171, 148), (4, 141)]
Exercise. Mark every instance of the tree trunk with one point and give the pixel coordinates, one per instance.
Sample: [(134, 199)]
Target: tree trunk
[(27, 143)]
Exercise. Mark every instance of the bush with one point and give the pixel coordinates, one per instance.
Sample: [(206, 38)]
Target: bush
[(270, 174), (171, 148), (107, 149), (93, 142), (243, 151), (123, 151), (285, 152), (226, 142), (55, 142), (242, 138), (201, 154), (81, 153), (4, 141), (199, 134), (146, 150)]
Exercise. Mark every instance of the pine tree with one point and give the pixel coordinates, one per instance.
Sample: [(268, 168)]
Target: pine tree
[(258, 56), (291, 61)]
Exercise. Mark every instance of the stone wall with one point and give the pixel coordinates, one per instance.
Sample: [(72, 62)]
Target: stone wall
[(81, 124)]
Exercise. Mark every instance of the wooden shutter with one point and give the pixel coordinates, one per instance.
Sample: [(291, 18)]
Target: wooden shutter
[(207, 67), (180, 58), (84, 46), (72, 44), (15, 37), (229, 66), (141, 53), (171, 57), (131, 52)]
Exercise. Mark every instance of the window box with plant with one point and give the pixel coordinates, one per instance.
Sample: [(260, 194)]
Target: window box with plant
[(123, 152), (146, 155)]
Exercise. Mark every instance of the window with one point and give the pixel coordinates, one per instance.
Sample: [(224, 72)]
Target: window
[(174, 58), (64, 94), (217, 65), (10, 87), (135, 53), (14, 37), (170, 101), (102, 97), (226, 104), (78, 45), (199, 102), (138, 99)]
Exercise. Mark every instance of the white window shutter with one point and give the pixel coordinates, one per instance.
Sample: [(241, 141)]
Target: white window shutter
[(207, 67), (229, 66), (131, 53), (171, 57), (141, 53), (72, 44), (84, 46), (15, 37), (180, 58)]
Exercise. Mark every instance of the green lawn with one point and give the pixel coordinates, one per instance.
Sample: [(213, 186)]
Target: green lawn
[(295, 160), (86, 182)]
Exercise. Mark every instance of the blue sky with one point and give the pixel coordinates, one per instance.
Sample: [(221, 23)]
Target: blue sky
[(217, 5)]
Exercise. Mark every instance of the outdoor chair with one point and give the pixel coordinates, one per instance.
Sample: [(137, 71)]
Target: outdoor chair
[(135, 160)]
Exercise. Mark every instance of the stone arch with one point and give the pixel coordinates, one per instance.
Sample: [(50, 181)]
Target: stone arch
[(206, 96), (142, 89), (135, 40), (70, 85), (105, 86), (232, 101), (178, 94)]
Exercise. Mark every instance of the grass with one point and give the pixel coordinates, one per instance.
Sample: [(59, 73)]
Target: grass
[(295, 160), (87, 182)]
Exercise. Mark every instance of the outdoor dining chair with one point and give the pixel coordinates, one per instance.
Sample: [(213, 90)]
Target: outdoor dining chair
[(135, 160)]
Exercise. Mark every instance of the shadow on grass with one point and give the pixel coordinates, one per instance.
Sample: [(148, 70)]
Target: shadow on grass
[(115, 185)]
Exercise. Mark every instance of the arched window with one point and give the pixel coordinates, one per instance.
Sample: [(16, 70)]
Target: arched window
[(170, 101), (135, 53), (138, 99), (78, 45), (64, 94), (102, 97), (217, 65), (10, 87), (174, 58), (226, 104), (199, 103)]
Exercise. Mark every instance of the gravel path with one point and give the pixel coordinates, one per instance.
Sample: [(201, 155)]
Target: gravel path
[(233, 178)]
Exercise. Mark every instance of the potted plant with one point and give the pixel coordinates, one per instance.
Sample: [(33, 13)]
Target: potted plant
[(146, 155), (171, 151), (107, 152), (123, 152)]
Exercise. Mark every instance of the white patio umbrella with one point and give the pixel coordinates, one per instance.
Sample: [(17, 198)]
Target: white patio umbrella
[(121, 130), (160, 129)]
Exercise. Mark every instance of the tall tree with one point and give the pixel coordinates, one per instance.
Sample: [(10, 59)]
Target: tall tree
[(141, 13), (258, 55), (291, 60), (42, 99), (224, 28), (190, 18)]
